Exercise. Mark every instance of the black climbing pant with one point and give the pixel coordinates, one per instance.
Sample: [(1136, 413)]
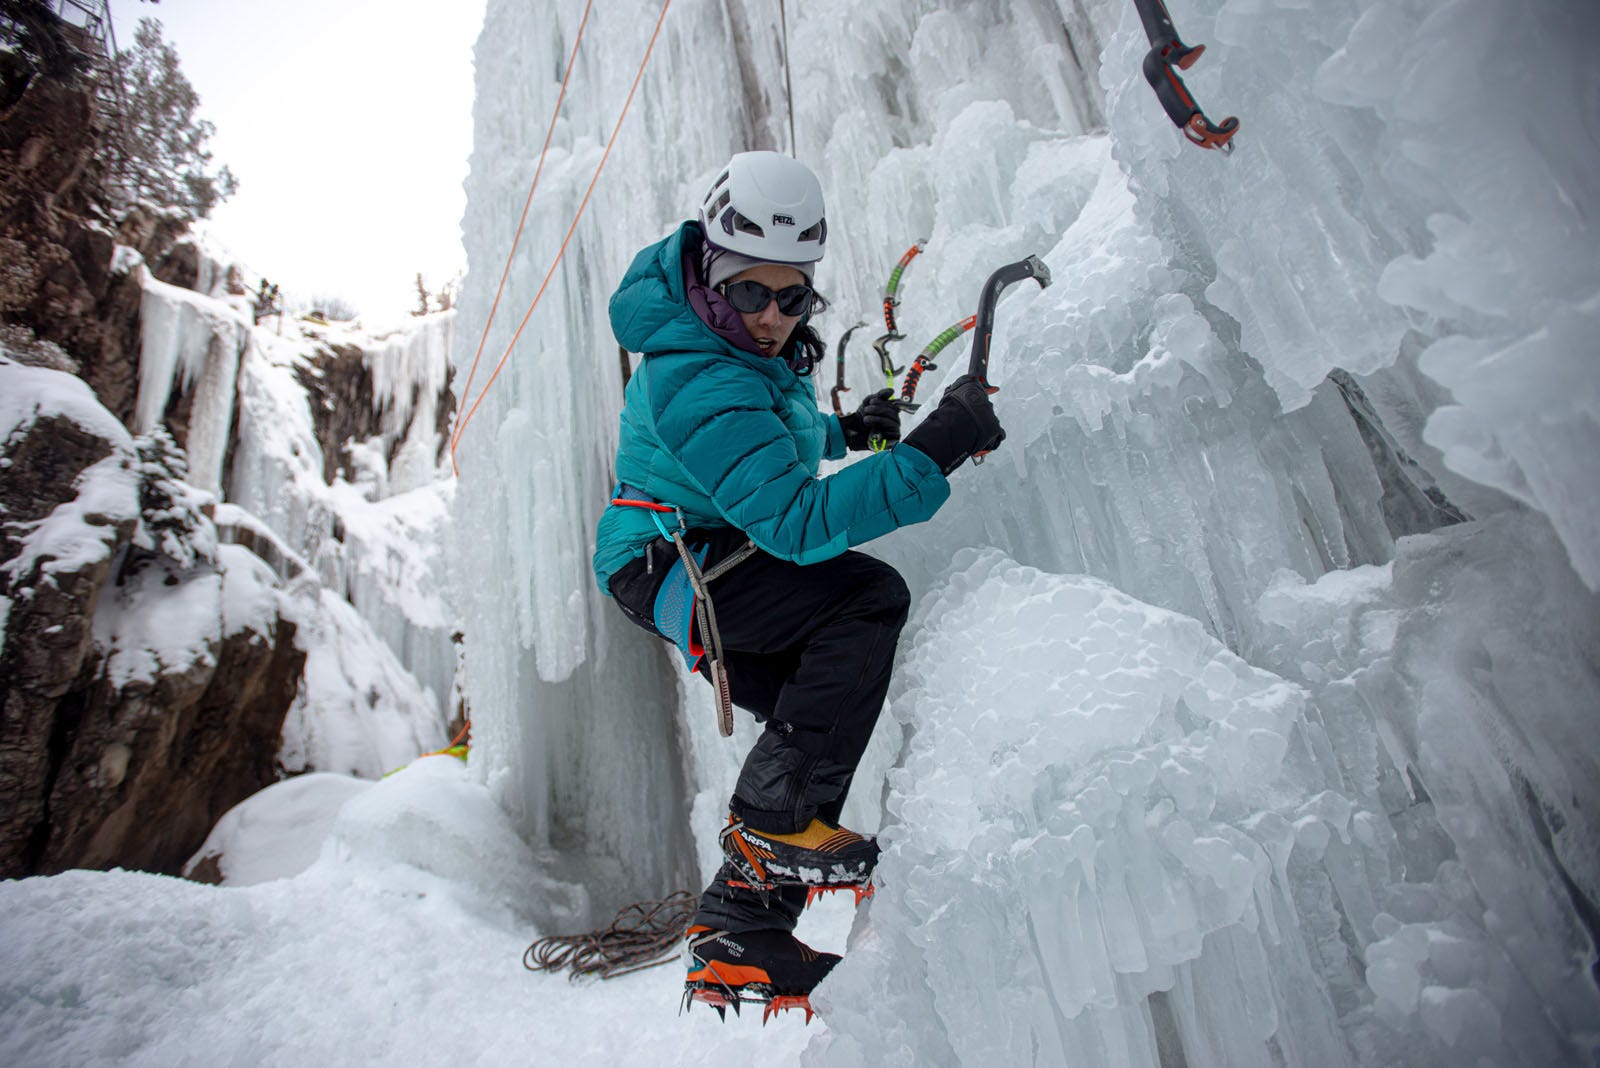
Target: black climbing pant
[(808, 651)]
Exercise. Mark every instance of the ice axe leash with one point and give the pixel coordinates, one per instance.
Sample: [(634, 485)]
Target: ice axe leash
[(838, 355), (978, 365), (1167, 56)]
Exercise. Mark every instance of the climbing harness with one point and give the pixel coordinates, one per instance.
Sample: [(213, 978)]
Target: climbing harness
[(891, 300), (924, 361), (467, 412), (643, 935), (978, 364), (838, 354), (1168, 55), (704, 612)]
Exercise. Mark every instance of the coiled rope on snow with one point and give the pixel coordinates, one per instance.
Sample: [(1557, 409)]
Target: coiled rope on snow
[(642, 935)]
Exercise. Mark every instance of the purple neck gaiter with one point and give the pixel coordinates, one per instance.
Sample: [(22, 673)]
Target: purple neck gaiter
[(712, 308)]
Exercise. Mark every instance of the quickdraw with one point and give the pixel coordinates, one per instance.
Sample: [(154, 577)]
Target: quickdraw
[(839, 386), (891, 300), (1168, 55), (704, 611), (924, 361)]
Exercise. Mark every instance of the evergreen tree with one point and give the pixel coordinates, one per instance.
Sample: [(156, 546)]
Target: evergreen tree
[(422, 296), (166, 140), (173, 519)]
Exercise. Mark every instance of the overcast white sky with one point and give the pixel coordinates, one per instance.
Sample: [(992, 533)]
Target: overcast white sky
[(348, 124)]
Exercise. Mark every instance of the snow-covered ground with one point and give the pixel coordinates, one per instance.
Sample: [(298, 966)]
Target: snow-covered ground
[(389, 933)]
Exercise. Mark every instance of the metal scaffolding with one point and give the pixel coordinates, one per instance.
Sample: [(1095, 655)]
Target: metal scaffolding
[(86, 26)]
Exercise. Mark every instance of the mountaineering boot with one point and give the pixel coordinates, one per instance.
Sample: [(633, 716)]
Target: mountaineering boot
[(764, 967), (822, 857)]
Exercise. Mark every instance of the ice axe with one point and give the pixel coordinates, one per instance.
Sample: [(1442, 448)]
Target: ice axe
[(978, 366), (891, 301), (1168, 55)]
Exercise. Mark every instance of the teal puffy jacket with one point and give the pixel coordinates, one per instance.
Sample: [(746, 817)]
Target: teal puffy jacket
[(735, 439)]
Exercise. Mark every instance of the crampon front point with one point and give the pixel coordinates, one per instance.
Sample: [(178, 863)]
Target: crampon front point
[(722, 999)]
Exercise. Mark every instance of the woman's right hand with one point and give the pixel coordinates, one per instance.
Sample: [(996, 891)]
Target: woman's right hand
[(963, 425)]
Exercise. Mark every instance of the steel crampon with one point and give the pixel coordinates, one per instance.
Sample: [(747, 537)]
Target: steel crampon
[(723, 998)]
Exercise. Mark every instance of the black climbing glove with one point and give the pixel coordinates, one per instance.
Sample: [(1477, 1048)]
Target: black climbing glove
[(964, 423), (878, 417)]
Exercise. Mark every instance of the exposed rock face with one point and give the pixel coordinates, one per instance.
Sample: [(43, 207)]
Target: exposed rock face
[(49, 633), (56, 260), (145, 673), (339, 390), (146, 769)]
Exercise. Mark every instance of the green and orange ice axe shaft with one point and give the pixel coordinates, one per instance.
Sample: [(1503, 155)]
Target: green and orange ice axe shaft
[(891, 300), (924, 361)]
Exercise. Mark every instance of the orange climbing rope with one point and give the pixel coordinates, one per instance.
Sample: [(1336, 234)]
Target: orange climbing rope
[(466, 418), (458, 748), (555, 114)]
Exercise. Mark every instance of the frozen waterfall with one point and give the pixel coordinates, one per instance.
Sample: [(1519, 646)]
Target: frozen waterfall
[(1246, 713)]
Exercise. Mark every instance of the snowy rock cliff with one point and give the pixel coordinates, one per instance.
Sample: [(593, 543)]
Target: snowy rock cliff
[(146, 670), (220, 531)]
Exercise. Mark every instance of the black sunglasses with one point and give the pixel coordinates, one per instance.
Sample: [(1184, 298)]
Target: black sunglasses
[(751, 297)]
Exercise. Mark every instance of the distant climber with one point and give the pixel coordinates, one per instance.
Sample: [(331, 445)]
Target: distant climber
[(266, 300)]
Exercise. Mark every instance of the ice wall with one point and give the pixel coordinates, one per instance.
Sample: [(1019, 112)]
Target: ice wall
[(382, 553), (408, 370), (575, 718), (190, 343), (1323, 405), (376, 543)]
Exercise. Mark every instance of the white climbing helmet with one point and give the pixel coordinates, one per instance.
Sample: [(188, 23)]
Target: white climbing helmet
[(767, 206)]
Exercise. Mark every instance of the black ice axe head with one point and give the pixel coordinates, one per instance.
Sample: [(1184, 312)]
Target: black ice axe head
[(1032, 267), (1167, 56)]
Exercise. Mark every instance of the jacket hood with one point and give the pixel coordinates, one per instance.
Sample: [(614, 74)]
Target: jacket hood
[(660, 305)]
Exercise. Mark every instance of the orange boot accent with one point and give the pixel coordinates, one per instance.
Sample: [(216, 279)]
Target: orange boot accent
[(730, 975), (752, 854), (822, 837)]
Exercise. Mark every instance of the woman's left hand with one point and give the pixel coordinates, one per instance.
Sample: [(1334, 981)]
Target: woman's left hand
[(876, 421)]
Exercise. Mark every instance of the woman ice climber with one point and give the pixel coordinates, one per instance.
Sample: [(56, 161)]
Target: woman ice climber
[(721, 440)]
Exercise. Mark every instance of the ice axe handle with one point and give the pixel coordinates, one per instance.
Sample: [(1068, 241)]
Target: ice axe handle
[(1032, 267)]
